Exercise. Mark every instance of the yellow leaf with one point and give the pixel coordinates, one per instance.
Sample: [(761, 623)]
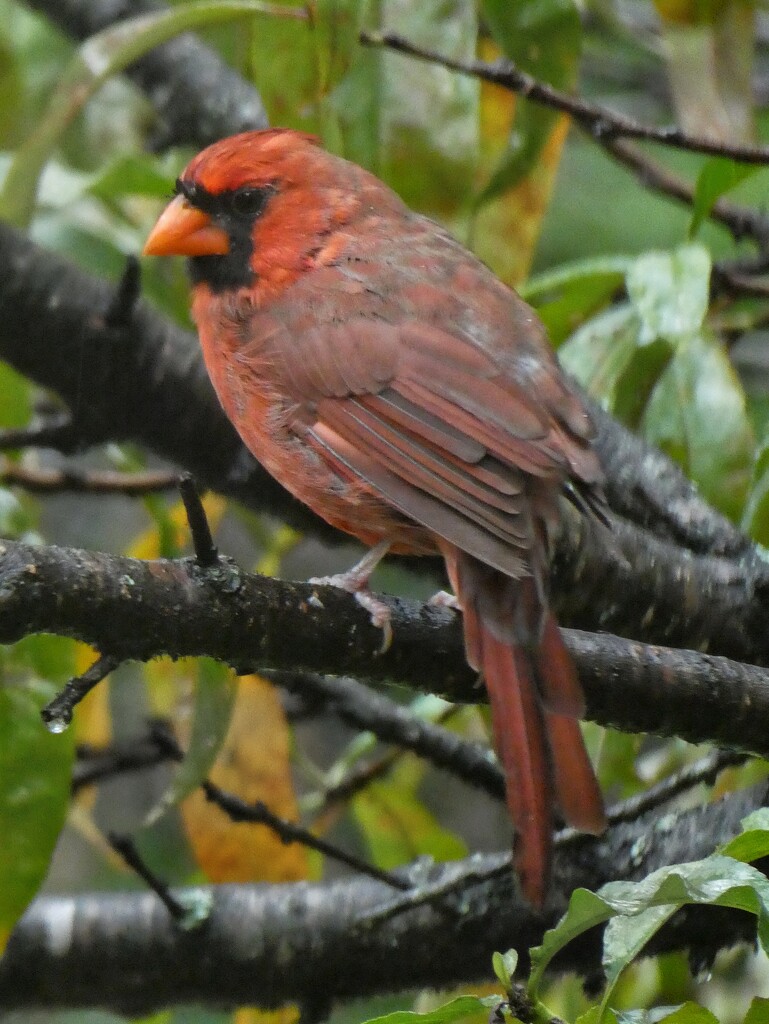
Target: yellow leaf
[(506, 229), (282, 541), (147, 544), (286, 1015), (92, 721), (169, 686), (253, 764), (689, 12)]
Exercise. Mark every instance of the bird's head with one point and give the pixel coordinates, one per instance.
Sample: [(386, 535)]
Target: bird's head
[(251, 207)]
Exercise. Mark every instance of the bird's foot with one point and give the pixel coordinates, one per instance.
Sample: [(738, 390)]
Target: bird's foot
[(355, 581), (443, 599)]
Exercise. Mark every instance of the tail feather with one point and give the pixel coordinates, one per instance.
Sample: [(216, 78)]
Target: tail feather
[(578, 793), (521, 745), (561, 689), (536, 698)]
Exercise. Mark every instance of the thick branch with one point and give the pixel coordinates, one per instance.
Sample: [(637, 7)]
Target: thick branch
[(128, 608), (197, 96), (268, 945)]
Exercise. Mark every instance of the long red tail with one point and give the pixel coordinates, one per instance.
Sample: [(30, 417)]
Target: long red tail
[(535, 701)]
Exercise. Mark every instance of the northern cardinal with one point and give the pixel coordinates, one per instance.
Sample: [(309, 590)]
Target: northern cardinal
[(388, 380)]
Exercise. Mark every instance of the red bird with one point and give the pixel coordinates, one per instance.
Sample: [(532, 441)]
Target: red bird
[(388, 380)]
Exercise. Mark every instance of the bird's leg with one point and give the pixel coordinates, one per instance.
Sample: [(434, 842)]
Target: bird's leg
[(355, 581)]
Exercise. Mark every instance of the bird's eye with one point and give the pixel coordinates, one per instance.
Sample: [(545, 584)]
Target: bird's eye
[(249, 202)]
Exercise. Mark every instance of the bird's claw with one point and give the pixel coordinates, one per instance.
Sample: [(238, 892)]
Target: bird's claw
[(355, 581), (380, 616), (379, 611), (443, 599)]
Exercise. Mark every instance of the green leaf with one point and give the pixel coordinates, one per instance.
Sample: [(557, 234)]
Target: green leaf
[(697, 414), (600, 351), (336, 26), (504, 965), (19, 520), (531, 131), (288, 81), (755, 517), (717, 880), (426, 120), (690, 1013), (564, 298), (624, 939), (214, 699), (15, 407), (168, 533), (753, 841), (457, 1009), (758, 1012), (398, 827), (542, 38), (653, 1016), (99, 58), (670, 292), (35, 774), (130, 175), (585, 911), (609, 1017), (686, 1013), (718, 175), (45, 656), (605, 357)]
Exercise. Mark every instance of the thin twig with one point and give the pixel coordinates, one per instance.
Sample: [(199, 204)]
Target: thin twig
[(125, 846), (289, 832), (358, 779), (259, 814), (59, 432), (206, 551), (96, 764), (54, 481), (703, 770), (610, 129), (127, 294), (360, 707), (741, 221), (602, 122), (57, 713)]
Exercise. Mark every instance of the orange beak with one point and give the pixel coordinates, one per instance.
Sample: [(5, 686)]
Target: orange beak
[(183, 230)]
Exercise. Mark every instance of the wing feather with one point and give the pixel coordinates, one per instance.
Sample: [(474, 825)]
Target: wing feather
[(416, 465), (428, 420), (419, 505), (417, 420)]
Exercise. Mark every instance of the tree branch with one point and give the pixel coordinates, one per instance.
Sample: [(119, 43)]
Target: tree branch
[(269, 945), (610, 129), (92, 481), (197, 96), (141, 609), (602, 122), (360, 708)]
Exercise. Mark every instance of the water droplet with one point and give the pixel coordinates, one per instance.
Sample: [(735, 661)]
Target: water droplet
[(57, 724)]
